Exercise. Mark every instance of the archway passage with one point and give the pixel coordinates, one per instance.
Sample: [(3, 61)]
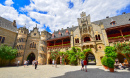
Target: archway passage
[(58, 60), (120, 57), (50, 61), (67, 61), (31, 57), (90, 59)]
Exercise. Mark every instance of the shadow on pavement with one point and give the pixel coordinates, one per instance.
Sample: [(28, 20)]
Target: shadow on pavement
[(94, 73)]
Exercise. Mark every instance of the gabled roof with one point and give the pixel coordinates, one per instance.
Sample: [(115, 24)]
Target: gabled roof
[(119, 20), (63, 32), (6, 24)]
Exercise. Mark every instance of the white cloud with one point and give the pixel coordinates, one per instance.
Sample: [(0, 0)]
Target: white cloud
[(9, 2), (60, 16)]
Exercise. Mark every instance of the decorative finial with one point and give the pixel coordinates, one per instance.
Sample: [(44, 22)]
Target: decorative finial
[(24, 26), (36, 25)]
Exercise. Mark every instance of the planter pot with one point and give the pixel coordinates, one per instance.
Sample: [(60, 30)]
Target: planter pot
[(111, 69), (105, 67)]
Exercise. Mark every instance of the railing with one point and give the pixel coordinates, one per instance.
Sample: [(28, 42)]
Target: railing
[(59, 46), (118, 38)]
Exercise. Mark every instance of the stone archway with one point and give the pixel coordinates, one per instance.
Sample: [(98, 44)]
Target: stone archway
[(31, 57), (66, 60), (90, 58), (58, 60), (120, 57), (49, 61)]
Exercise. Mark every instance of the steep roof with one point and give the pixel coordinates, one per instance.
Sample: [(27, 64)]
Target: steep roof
[(6, 24), (63, 32), (119, 20)]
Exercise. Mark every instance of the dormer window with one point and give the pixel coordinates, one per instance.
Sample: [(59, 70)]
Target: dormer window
[(53, 35), (113, 23), (67, 32), (129, 19), (60, 34)]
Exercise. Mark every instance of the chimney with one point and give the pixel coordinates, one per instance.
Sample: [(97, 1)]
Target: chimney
[(14, 23), (107, 16), (124, 13)]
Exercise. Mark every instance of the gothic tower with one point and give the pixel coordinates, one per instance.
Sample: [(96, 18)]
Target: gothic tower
[(42, 52), (21, 43)]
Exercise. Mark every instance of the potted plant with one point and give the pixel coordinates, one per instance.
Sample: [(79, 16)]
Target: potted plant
[(110, 64), (104, 62)]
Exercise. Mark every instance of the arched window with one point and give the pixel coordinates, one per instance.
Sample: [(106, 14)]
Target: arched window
[(97, 37), (33, 45), (87, 39), (77, 40)]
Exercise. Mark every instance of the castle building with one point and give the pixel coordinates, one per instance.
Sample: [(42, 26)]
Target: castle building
[(94, 35)]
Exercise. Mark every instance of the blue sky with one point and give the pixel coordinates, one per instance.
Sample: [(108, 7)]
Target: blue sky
[(55, 14)]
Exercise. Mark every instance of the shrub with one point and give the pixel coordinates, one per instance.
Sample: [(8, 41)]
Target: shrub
[(104, 61), (110, 62), (89, 60), (110, 52)]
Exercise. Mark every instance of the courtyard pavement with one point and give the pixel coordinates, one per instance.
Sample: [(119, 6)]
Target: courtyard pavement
[(62, 71)]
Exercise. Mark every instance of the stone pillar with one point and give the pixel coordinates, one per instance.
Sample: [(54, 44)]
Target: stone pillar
[(72, 39), (104, 35)]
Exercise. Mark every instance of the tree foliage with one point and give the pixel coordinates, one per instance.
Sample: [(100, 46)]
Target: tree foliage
[(7, 53), (104, 61), (110, 52), (53, 54)]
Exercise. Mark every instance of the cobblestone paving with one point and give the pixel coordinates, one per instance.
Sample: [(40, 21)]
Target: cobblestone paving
[(62, 71)]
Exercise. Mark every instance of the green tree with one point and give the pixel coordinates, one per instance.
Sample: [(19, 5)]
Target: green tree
[(72, 56), (63, 54), (126, 51), (110, 52), (7, 53), (53, 54)]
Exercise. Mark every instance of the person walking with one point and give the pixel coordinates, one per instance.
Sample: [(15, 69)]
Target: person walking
[(25, 62), (18, 63), (82, 63), (53, 62), (85, 64), (36, 63)]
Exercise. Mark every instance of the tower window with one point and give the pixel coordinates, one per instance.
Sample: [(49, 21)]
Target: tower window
[(3, 39), (34, 34), (97, 37), (77, 40)]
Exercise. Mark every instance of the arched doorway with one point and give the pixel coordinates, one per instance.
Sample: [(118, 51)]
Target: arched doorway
[(90, 59), (120, 57), (50, 61), (31, 57), (58, 60), (67, 61)]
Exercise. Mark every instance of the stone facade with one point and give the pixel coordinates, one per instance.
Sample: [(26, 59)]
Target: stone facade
[(96, 35)]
